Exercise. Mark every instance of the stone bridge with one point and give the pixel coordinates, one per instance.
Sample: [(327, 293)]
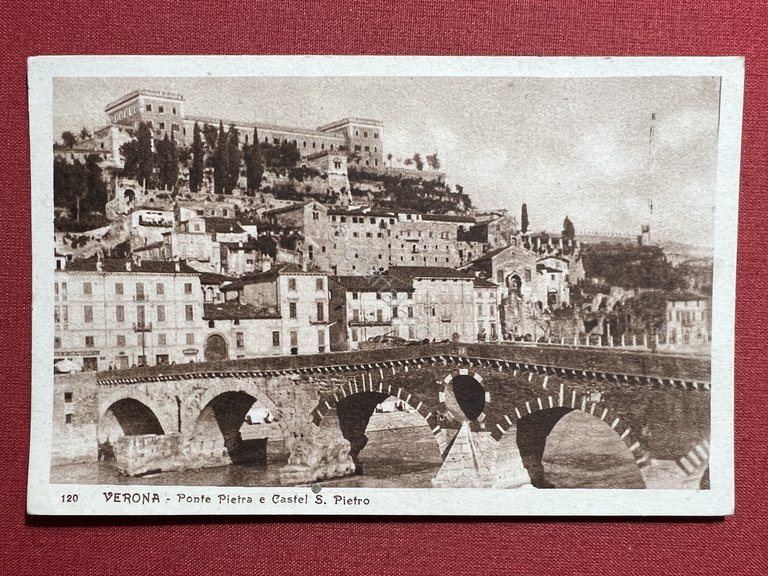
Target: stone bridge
[(489, 407)]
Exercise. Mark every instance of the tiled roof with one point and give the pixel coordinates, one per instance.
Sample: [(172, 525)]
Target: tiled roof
[(484, 283), (236, 311), (222, 225), (447, 218), (686, 296), (119, 265), (381, 283), (148, 247), (409, 273), (285, 209)]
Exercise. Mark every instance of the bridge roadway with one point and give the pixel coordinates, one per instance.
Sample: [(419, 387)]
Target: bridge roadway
[(489, 406)]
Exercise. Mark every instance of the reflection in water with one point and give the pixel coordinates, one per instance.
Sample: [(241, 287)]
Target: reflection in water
[(581, 452)]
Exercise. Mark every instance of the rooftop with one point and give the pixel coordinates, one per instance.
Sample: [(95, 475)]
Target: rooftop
[(260, 126), (373, 283), (448, 218), (349, 120), (222, 225), (143, 92), (115, 265), (483, 283), (410, 273)]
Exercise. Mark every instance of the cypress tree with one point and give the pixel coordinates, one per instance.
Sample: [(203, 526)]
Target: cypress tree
[(220, 161), (233, 160), (198, 160), (524, 219), (569, 232), (254, 162), (145, 157)]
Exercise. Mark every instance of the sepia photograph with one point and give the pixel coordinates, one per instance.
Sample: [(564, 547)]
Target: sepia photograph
[(293, 285)]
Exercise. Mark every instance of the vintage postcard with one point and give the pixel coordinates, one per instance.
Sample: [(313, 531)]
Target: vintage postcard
[(383, 285)]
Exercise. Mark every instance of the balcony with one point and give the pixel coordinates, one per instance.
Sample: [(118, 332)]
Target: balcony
[(370, 322), (140, 298), (318, 321), (142, 326)]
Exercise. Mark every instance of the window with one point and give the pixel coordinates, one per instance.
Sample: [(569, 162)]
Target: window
[(162, 125), (67, 397), (174, 127), (321, 340), (161, 340), (121, 340), (240, 340), (139, 291), (161, 313), (411, 331), (376, 135), (160, 288), (56, 342), (149, 107), (292, 310), (291, 283), (355, 295), (87, 289), (120, 313), (480, 309), (365, 134), (119, 288), (367, 148), (527, 274), (378, 295), (189, 314), (161, 109), (379, 315), (275, 338), (211, 324), (68, 418), (173, 110), (161, 359), (294, 338), (355, 315), (188, 288), (89, 343), (354, 334), (319, 285), (190, 338), (87, 314), (320, 312)]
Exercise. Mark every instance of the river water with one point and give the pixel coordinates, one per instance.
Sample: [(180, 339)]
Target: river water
[(401, 453)]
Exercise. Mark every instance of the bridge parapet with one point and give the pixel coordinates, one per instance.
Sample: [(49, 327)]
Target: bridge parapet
[(611, 363)]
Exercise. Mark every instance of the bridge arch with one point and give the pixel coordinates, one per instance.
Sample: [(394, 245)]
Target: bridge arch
[(215, 416), (528, 426), (340, 420), (125, 417)]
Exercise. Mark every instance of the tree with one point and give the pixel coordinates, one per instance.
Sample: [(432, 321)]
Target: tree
[(418, 161), (220, 162), (233, 160), (389, 159), (459, 189), (524, 219), (433, 161), (408, 162), (210, 134), (167, 163), (198, 160), (569, 232), (69, 139), (84, 134), (254, 163), (145, 158), (96, 195)]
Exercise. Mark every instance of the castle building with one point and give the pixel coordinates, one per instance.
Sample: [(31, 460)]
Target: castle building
[(164, 112)]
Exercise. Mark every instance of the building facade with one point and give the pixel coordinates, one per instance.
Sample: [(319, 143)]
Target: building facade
[(117, 314), (370, 309), (360, 242), (688, 322)]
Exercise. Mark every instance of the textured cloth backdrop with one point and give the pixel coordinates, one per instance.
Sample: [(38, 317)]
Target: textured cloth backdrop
[(623, 27)]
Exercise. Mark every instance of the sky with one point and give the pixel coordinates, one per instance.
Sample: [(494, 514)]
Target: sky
[(580, 147)]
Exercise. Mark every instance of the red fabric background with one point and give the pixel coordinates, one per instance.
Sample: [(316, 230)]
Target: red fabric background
[(735, 545)]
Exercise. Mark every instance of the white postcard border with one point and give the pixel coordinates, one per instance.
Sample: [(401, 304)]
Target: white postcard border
[(46, 499)]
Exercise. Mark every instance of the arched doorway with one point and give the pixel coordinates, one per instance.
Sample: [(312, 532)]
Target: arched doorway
[(515, 284), (215, 348)]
